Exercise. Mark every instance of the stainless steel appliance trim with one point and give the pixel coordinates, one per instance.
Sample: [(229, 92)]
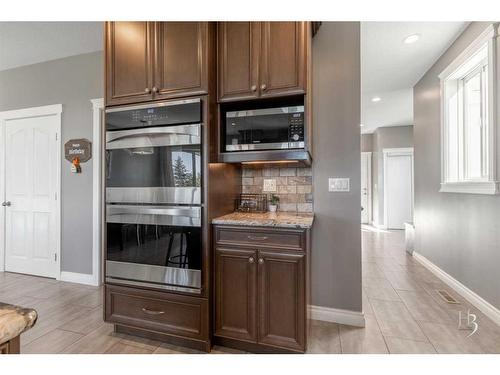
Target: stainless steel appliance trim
[(265, 111), (154, 137), (168, 216), (154, 195), (154, 210), (152, 285), (159, 276), (265, 146), (152, 105)]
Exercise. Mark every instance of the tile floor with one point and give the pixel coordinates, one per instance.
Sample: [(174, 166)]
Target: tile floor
[(404, 314)]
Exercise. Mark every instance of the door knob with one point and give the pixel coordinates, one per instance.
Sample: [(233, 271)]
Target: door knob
[(147, 90), (254, 88), (155, 89), (6, 204), (250, 260), (261, 260), (263, 87)]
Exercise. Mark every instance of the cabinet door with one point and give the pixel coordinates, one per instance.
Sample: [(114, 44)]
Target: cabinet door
[(238, 60), (235, 298), (283, 60), (181, 59), (281, 299), (129, 69)]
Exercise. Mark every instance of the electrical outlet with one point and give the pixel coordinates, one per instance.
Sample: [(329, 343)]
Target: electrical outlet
[(338, 184), (269, 184)]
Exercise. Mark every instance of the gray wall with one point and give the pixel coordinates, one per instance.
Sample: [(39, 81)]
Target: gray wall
[(366, 142), (460, 233), (72, 82), (336, 252), (385, 137)]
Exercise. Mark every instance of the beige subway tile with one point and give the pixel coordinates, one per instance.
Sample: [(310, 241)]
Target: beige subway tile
[(304, 189), (287, 189), (288, 207), (307, 171), (300, 180), (288, 171), (258, 181), (270, 172), (304, 207), (247, 181)]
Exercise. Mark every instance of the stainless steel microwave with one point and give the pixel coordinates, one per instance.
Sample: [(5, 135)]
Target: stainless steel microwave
[(264, 129)]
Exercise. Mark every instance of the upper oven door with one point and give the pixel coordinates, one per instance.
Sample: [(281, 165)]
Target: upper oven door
[(263, 129), (158, 165)]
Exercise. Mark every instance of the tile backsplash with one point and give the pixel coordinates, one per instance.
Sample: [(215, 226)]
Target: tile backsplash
[(293, 185)]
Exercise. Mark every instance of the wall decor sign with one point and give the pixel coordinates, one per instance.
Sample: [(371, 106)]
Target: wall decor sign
[(77, 151)]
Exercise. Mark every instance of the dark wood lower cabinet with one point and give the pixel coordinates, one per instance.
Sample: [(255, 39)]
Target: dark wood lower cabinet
[(261, 289), (175, 318)]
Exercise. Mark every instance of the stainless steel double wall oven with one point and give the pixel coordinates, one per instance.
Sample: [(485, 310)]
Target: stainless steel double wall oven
[(153, 195)]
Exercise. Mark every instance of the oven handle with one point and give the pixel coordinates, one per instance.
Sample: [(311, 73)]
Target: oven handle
[(192, 130), (194, 212)]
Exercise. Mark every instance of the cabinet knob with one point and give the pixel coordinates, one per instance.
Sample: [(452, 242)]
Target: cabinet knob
[(6, 204), (147, 90), (261, 260), (254, 88), (263, 87), (251, 260), (155, 89)]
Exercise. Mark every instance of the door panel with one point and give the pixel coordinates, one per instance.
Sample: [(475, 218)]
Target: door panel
[(283, 60), (238, 60), (181, 59), (281, 299), (31, 167), (129, 69), (235, 298), (399, 190)]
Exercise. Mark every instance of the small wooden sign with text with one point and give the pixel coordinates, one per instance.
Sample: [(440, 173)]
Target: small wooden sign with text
[(78, 148)]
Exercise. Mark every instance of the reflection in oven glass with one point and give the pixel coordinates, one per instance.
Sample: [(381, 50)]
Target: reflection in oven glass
[(169, 246)]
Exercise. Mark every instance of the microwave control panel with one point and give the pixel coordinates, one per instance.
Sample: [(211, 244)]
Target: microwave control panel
[(296, 127)]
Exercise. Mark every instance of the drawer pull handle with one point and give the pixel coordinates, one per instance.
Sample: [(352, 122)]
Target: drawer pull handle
[(250, 260), (261, 260), (257, 238), (152, 312)]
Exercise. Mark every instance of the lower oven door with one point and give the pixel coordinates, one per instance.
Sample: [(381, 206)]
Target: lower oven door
[(155, 246)]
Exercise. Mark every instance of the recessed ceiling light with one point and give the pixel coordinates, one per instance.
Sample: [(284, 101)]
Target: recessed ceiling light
[(411, 39), (376, 99)]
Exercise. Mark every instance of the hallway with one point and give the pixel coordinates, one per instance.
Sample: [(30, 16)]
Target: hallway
[(404, 313)]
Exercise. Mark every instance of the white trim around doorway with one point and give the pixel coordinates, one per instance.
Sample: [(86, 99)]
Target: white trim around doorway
[(97, 108), (370, 203), (55, 110), (387, 152)]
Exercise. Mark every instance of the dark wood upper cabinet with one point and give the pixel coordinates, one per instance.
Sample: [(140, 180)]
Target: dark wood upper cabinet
[(235, 294), (282, 299), (129, 68), (283, 58), (238, 60), (156, 60), (261, 59), (181, 59)]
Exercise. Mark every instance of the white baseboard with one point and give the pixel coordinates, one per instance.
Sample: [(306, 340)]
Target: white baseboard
[(329, 314), (378, 226), (79, 278), (484, 306)]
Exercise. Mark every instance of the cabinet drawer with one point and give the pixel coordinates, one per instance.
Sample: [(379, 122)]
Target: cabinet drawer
[(157, 311), (261, 237)]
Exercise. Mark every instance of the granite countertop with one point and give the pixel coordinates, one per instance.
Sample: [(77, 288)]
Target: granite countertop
[(267, 219), (15, 320)]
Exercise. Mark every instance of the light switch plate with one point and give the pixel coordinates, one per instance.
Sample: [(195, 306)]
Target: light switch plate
[(269, 184), (339, 184)]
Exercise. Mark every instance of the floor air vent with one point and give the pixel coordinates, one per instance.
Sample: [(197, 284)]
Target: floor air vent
[(447, 297)]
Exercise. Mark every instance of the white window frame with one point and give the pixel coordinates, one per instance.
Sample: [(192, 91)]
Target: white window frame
[(489, 184)]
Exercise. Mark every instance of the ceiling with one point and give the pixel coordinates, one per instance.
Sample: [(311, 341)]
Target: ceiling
[(25, 43), (390, 68)]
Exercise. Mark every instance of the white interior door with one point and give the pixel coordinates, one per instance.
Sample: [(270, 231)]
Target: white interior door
[(365, 187), (398, 189), (31, 218)]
